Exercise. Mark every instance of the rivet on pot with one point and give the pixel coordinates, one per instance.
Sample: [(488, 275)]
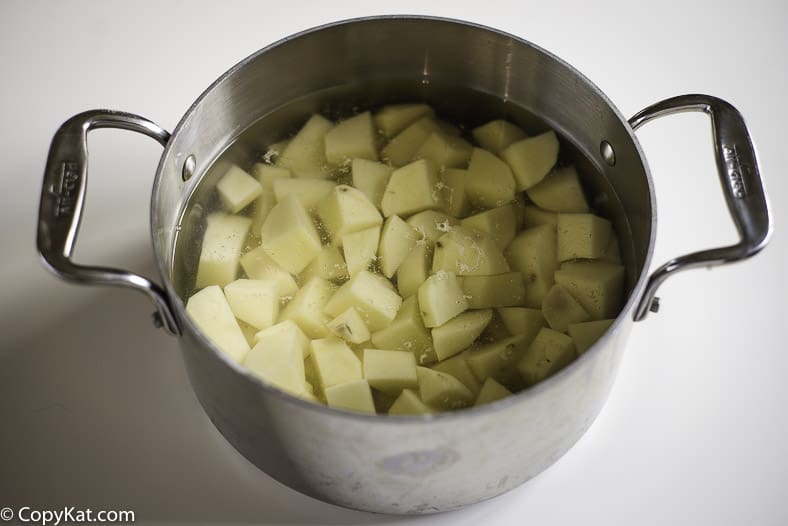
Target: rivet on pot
[(607, 152), (188, 167)]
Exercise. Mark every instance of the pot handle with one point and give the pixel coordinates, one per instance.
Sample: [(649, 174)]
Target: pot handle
[(62, 202), (737, 166)]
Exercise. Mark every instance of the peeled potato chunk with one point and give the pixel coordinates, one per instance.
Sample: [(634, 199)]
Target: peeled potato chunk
[(258, 265), (352, 138), (444, 150), (254, 301), (329, 264), (406, 332), (532, 158), (500, 290), (561, 309), (351, 396), (284, 334), (371, 295), (409, 403), (491, 391), (306, 308), (457, 367), (534, 253), (308, 192), (414, 270), (597, 285), (468, 252), (582, 236), (265, 174), (282, 367), (349, 326), (390, 371), (335, 363), (442, 390), (497, 135), (560, 192), (431, 225), (411, 189), (459, 332), (613, 251), (237, 189), (535, 216), (370, 178), (394, 118), (289, 237), (550, 352), (305, 154), (453, 197), (401, 148), (346, 210), (499, 223), (489, 182), (522, 320), (496, 360), (441, 298), (360, 249), (222, 243), (587, 333), (211, 313), (396, 241)]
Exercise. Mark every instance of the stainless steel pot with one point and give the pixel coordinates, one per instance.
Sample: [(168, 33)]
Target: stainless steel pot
[(403, 464)]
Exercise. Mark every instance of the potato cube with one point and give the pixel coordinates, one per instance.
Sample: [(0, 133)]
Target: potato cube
[(496, 330), (371, 178), (400, 149), (458, 368), (431, 225), (329, 265), (535, 216), (489, 182), (305, 154), (262, 207), (587, 333), (349, 326), (491, 391), (335, 363), (360, 249), (613, 250), (560, 309), (211, 313), (442, 390), (531, 159), (406, 332), (560, 192), (468, 252), (459, 333), (308, 192), (414, 270), (394, 118), (281, 366), (497, 360), (390, 371), (351, 396), (346, 210), (258, 265), (534, 253), (396, 241), (550, 352), (265, 175), (253, 301), (453, 197), (409, 403), (248, 331), (371, 295), (444, 150), (521, 320), (499, 290), (582, 236), (598, 286), (289, 237), (500, 224), (237, 189), (411, 189), (352, 138), (284, 334), (497, 135), (441, 299), (222, 243), (306, 308)]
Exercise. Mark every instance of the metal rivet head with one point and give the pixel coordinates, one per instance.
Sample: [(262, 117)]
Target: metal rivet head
[(608, 154), (188, 167), (654, 307)]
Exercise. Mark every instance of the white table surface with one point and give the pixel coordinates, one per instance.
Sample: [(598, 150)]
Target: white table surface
[(95, 406)]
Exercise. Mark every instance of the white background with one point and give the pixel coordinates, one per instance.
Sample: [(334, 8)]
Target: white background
[(95, 406)]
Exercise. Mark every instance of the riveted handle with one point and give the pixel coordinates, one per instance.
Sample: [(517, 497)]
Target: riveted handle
[(63, 199), (740, 177)]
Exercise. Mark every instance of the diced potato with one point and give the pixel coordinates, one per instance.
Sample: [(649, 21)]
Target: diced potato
[(351, 396), (222, 243), (534, 253), (248, 332), (400, 149), (289, 237), (560, 309), (442, 390), (409, 403), (253, 301), (352, 138), (497, 360), (613, 250), (237, 189), (550, 352), (390, 371), (582, 236), (499, 290), (308, 192), (431, 225), (414, 270), (489, 182), (349, 326), (468, 252), (329, 265), (265, 175), (459, 332), (531, 159), (491, 391), (453, 197), (597, 285), (535, 216), (441, 299), (305, 154), (262, 207), (306, 308), (497, 135), (284, 334), (335, 363), (457, 367), (560, 192), (499, 223), (346, 210), (444, 150), (371, 178), (282, 366), (406, 332), (258, 265), (394, 118), (411, 189), (586, 334), (496, 330), (211, 313), (521, 320), (396, 241), (360, 249), (371, 295)]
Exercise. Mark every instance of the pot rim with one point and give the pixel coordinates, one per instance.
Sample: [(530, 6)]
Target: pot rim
[(448, 416)]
